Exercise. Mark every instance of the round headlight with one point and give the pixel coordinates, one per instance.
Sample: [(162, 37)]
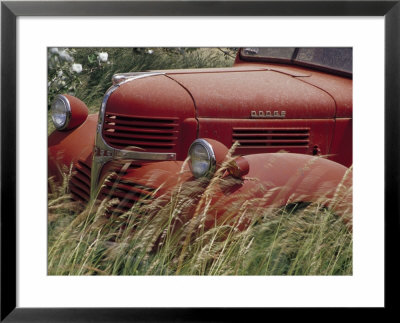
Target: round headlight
[(60, 112), (202, 158)]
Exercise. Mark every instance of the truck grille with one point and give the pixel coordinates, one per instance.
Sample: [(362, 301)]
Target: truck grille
[(128, 193), (271, 138), (79, 184), (146, 133)]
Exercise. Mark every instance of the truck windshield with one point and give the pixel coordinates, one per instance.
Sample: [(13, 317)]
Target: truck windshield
[(338, 59)]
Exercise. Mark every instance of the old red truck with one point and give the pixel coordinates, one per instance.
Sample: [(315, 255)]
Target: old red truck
[(289, 111)]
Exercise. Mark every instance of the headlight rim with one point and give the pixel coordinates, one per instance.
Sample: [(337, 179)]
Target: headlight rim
[(68, 115), (211, 156)]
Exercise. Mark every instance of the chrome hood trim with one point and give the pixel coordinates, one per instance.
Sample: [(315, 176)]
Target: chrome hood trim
[(102, 152), (122, 77)]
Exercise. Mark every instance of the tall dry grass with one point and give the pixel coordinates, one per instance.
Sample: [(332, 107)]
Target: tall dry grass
[(168, 236)]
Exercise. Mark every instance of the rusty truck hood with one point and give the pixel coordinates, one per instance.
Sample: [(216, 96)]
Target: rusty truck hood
[(238, 93)]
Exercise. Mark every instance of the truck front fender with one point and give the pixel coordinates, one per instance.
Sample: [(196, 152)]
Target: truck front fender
[(66, 148), (274, 180), (277, 180)]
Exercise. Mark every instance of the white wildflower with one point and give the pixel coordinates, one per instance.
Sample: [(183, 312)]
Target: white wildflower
[(65, 56), (54, 50), (150, 51), (102, 57), (77, 68), (60, 73)]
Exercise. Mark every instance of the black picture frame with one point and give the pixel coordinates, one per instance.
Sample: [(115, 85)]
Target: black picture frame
[(10, 10)]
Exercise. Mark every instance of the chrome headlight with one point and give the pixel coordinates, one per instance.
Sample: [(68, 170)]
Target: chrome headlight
[(202, 158), (60, 112)]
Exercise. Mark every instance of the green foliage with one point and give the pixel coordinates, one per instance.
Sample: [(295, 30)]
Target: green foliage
[(62, 72)]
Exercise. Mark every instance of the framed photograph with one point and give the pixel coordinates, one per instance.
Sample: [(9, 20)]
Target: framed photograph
[(283, 82)]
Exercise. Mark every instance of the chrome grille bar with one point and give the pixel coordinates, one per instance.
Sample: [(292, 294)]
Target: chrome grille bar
[(103, 152)]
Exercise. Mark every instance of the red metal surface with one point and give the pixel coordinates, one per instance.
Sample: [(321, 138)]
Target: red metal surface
[(150, 113), (136, 182), (341, 91), (239, 167), (156, 114), (220, 150), (67, 147), (79, 184), (261, 136), (166, 113), (79, 112), (147, 133), (342, 144), (280, 179), (338, 87), (235, 95), (273, 180), (291, 178)]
